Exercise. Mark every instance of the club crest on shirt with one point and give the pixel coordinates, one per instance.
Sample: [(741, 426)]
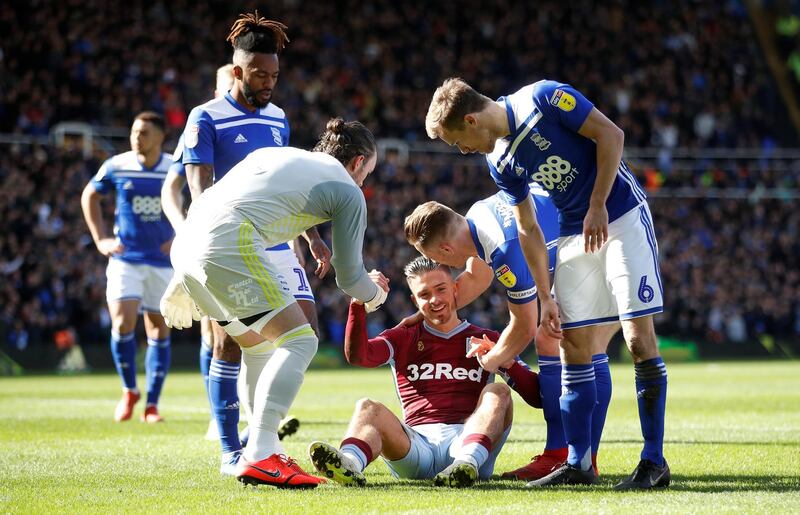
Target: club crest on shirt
[(276, 137), (192, 136), (539, 140), (563, 100), (506, 276), (420, 346)]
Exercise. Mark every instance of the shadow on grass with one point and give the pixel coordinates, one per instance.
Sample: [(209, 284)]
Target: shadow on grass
[(680, 483), (735, 483), (784, 443)]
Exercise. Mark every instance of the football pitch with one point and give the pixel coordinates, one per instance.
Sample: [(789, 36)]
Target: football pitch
[(732, 441)]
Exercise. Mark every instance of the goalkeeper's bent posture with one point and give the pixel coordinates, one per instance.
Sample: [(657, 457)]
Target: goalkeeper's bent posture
[(221, 271)]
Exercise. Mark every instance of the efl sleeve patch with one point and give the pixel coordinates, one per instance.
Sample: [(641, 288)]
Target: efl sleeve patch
[(563, 100), (506, 276), (192, 135)]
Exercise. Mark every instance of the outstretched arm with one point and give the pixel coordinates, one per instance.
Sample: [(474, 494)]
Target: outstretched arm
[(347, 234), (473, 281), (524, 381), (534, 248), (360, 350), (519, 332)]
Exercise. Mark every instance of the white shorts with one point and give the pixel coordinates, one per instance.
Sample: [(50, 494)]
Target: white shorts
[(223, 264), (433, 448), (145, 283), (291, 274), (620, 282)]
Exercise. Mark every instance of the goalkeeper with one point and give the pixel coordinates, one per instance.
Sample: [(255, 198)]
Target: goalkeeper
[(271, 197)]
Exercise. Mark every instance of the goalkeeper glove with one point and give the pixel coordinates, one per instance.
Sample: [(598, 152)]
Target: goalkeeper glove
[(377, 300), (177, 306)]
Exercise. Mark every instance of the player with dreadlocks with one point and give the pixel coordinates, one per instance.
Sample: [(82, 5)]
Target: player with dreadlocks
[(218, 135)]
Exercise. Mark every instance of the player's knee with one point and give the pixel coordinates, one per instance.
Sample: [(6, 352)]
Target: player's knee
[(305, 345), (498, 393), (227, 349), (575, 351), (546, 345), (123, 326), (642, 347), (367, 406)]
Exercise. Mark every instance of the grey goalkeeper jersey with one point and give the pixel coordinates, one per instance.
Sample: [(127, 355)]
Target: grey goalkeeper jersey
[(283, 191)]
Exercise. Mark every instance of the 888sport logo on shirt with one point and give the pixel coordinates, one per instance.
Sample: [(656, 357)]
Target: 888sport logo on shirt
[(147, 207), (555, 173)]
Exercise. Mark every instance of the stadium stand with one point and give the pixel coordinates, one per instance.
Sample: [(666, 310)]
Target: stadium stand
[(688, 82)]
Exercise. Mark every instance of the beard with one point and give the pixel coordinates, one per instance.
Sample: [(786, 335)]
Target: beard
[(252, 96)]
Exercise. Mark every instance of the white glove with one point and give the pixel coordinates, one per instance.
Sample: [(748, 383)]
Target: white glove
[(177, 306), (377, 300)]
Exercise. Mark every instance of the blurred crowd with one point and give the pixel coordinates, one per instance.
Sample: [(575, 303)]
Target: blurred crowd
[(730, 267), (671, 74), (685, 73)]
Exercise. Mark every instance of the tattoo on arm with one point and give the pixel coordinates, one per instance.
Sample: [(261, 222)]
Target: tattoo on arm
[(200, 178)]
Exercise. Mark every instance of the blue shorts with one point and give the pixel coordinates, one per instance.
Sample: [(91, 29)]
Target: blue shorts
[(433, 449)]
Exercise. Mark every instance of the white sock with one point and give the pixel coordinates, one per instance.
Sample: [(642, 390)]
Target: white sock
[(355, 455), (277, 388), (473, 452), (253, 361)]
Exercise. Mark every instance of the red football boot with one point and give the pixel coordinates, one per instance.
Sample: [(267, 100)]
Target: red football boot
[(540, 466), (125, 405), (151, 415), (277, 470)]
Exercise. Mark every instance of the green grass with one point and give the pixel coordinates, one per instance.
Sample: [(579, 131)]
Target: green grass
[(733, 443)]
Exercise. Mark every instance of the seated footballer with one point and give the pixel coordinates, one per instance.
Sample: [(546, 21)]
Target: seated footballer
[(456, 419)]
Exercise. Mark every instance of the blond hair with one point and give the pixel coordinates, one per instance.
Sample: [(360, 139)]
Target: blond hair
[(224, 78), (429, 224), (451, 102)]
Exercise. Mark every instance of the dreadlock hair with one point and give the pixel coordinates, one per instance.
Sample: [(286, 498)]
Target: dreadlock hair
[(422, 265), (346, 140), (254, 33)]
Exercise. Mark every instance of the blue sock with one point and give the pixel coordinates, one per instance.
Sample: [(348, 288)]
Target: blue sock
[(205, 361), (578, 398), (156, 365), (550, 390), (225, 402), (651, 395), (602, 377), (123, 350)]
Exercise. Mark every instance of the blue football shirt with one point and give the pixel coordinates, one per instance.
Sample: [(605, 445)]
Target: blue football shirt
[(177, 159), (544, 147), (138, 221), (222, 132), (494, 232)]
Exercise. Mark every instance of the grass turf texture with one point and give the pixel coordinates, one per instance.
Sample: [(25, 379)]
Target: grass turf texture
[(733, 443)]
